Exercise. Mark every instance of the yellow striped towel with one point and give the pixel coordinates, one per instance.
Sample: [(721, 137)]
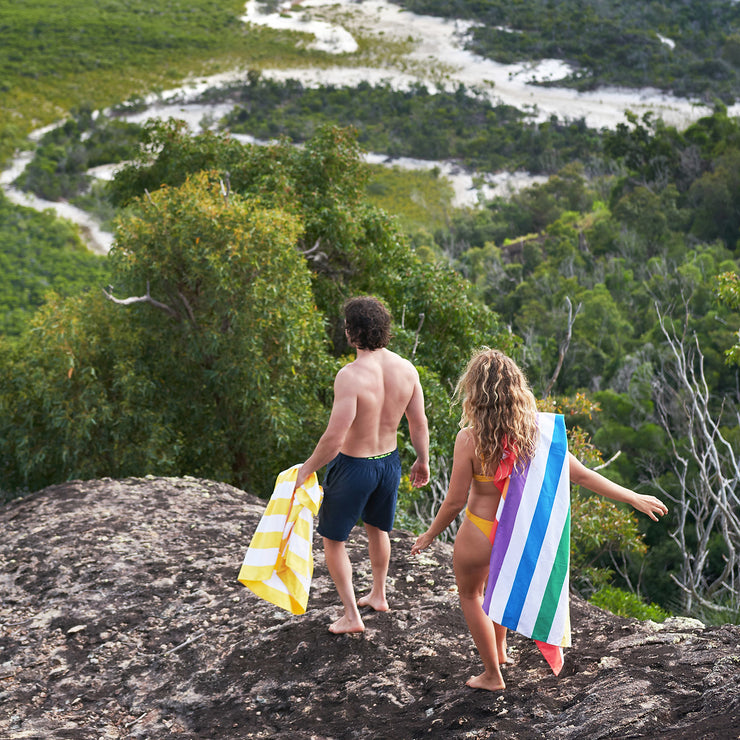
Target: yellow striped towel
[(278, 566)]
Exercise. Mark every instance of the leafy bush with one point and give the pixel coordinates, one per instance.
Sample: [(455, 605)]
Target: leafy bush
[(626, 604)]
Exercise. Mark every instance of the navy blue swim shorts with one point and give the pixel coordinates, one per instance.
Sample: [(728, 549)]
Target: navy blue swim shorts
[(359, 488)]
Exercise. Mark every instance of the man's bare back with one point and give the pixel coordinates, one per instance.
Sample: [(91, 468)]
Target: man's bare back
[(383, 385)]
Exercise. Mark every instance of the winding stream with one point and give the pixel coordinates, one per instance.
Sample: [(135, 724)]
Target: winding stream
[(433, 54)]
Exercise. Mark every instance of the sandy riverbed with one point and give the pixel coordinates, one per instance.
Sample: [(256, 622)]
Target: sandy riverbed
[(439, 58)]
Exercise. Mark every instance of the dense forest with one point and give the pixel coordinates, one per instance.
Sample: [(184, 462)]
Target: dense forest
[(614, 284), (413, 123), (40, 254)]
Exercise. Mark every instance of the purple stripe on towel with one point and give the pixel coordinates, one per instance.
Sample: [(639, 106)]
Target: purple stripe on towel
[(504, 530)]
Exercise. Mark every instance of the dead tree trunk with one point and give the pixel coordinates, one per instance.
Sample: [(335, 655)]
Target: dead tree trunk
[(707, 468)]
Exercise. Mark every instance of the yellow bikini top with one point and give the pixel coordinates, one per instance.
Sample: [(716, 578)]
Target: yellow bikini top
[(502, 473)]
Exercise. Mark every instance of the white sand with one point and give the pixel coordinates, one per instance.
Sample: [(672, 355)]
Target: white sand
[(438, 48)]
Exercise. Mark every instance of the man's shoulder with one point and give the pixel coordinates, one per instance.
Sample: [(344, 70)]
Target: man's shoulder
[(400, 362), (384, 360), (351, 373), (346, 371)]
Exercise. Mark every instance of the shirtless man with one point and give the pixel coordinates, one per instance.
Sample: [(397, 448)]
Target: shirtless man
[(371, 395)]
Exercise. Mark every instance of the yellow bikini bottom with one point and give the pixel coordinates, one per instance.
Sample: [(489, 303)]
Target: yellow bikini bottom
[(484, 525)]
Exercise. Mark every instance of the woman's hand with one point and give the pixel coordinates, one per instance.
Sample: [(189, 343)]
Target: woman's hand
[(650, 505), (422, 542)]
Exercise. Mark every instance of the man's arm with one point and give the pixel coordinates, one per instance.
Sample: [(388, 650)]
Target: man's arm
[(419, 433), (343, 412)]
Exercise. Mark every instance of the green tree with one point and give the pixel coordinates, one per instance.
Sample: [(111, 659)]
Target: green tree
[(227, 279), (728, 290), (214, 366), (715, 198), (350, 246), (78, 399), (643, 211)]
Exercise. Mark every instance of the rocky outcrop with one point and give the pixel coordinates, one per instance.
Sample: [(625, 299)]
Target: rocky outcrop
[(121, 617)]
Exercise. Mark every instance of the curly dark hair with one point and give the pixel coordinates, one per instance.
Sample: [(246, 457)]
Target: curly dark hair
[(368, 322)]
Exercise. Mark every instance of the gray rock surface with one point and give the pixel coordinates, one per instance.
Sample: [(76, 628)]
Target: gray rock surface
[(121, 617)]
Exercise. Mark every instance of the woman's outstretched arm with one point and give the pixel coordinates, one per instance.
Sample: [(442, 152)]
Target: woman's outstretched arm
[(582, 476)]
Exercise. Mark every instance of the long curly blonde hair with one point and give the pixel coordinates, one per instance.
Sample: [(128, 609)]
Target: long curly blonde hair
[(499, 405)]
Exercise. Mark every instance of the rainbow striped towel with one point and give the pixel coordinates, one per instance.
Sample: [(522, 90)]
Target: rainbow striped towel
[(278, 566), (527, 587)]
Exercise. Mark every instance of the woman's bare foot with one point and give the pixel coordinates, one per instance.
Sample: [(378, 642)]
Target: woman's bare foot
[(378, 603), (345, 625), (487, 682)]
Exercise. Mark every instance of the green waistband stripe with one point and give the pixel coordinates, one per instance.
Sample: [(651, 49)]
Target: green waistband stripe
[(380, 457)]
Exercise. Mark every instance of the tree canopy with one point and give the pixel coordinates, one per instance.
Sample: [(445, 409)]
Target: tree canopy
[(213, 352)]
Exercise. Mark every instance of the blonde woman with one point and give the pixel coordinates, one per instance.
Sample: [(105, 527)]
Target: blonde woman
[(498, 431)]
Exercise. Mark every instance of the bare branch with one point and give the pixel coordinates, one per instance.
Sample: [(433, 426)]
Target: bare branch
[(416, 338), (563, 345), (188, 308), (184, 644), (314, 254), (609, 461), (138, 719), (706, 467), (697, 596), (307, 252), (143, 299), (622, 570), (226, 191)]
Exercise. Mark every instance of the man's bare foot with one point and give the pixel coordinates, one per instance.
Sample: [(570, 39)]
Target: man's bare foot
[(487, 682), (345, 625), (377, 603)]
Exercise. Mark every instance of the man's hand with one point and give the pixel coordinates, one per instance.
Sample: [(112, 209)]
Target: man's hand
[(419, 474), (302, 476)]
